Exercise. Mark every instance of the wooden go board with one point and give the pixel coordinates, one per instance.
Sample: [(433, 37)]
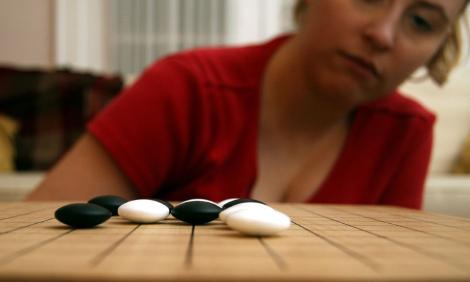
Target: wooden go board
[(324, 243)]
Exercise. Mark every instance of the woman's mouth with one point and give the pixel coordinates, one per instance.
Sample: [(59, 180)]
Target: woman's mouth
[(360, 66)]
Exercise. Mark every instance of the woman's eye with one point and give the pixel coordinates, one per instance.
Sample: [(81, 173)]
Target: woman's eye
[(421, 23)]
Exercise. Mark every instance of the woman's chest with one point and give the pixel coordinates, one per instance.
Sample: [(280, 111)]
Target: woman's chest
[(295, 171)]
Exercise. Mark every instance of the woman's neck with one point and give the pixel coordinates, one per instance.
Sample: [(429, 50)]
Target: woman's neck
[(290, 104)]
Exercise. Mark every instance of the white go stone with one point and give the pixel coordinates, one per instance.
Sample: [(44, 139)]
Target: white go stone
[(258, 222), (248, 205), (144, 211), (222, 203), (200, 200)]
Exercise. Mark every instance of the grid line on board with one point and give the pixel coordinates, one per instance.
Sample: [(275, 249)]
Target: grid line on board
[(24, 251), (102, 255), (24, 226), (23, 214), (275, 256), (363, 259), (407, 227), (188, 259), (326, 243), (432, 222), (431, 255)]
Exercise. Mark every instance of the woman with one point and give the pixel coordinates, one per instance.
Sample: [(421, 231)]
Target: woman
[(309, 117)]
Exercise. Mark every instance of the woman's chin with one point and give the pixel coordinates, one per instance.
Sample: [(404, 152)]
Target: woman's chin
[(347, 91)]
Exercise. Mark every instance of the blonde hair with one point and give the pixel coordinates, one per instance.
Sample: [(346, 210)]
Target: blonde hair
[(440, 66), (447, 57)]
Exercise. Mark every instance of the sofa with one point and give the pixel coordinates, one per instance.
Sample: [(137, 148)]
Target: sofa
[(446, 192), (43, 112)]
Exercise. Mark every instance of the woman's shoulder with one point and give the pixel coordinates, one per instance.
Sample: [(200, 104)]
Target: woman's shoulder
[(399, 106), (236, 66)]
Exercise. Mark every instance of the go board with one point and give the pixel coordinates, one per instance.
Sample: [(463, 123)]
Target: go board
[(324, 243)]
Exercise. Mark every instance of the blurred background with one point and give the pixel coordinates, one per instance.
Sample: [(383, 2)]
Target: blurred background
[(124, 36), (61, 61)]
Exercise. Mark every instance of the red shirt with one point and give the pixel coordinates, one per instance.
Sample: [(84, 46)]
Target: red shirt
[(188, 129)]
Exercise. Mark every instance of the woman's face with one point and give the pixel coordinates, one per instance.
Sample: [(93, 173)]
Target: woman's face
[(364, 49)]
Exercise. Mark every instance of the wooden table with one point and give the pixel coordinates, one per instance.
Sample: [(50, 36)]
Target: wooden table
[(325, 243)]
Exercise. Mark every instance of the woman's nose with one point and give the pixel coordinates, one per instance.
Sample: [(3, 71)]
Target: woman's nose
[(381, 33)]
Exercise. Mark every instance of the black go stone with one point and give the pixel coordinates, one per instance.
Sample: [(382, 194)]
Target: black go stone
[(167, 204), (196, 212), (109, 202), (239, 201), (82, 215)]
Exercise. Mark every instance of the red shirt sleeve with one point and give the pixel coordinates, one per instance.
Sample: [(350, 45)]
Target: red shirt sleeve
[(147, 128), (407, 185)]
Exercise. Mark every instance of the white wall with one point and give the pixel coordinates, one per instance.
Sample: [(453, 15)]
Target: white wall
[(451, 104), (26, 32)]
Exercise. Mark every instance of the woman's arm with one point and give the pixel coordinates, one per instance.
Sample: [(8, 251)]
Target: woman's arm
[(407, 186), (86, 171)]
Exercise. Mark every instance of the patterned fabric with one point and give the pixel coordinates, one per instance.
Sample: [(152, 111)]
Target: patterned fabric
[(51, 108)]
